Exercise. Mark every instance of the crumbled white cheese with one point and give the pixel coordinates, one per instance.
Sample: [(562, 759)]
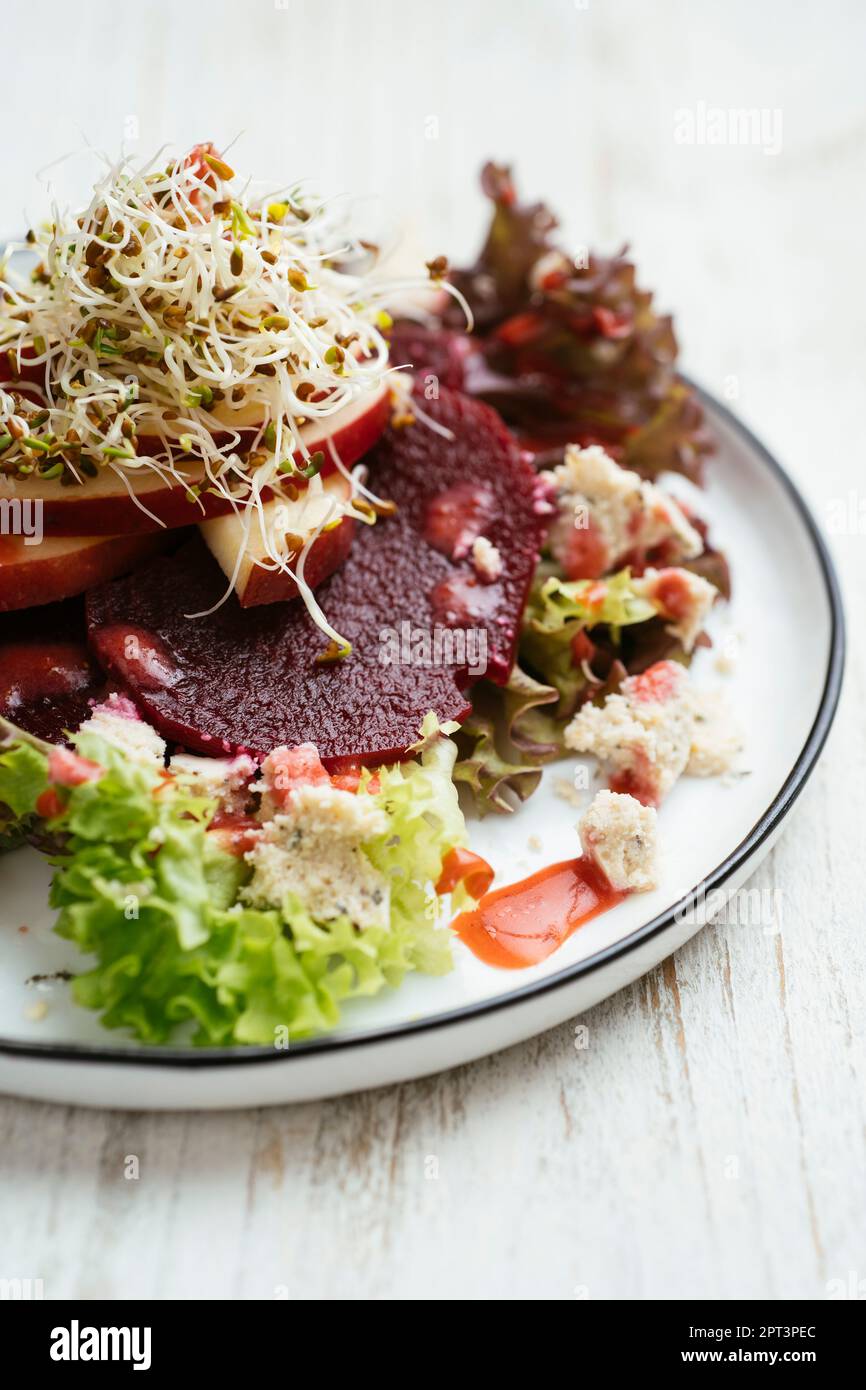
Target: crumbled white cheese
[(567, 791), (642, 734), (695, 597), (118, 722), (486, 559), (224, 778), (625, 513), (656, 728), (716, 739), (619, 836), (314, 850), (286, 769)]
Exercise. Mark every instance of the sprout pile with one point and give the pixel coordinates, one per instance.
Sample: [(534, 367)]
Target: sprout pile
[(190, 326)]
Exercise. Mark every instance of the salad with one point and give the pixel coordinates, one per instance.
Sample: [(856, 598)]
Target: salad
[(291, 584)]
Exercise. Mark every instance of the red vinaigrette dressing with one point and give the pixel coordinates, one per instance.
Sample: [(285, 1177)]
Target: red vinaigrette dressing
[(526, 922), (237, 832)]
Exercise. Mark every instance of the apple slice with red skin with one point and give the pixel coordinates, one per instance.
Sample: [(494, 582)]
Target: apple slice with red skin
[(256, 582), (111, 504), (60, 566)]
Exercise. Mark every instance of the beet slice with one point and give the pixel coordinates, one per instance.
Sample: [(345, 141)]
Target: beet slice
[(47, 675), (431, 352), (247, 679)]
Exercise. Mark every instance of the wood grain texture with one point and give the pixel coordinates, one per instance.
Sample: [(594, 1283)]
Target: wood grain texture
[(710, 1139)]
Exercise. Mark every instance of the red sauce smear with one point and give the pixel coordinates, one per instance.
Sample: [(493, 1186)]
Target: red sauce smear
[(460, 601), (139, 657), (637, 781), (585, 553), (348, 779), (526, 922), (671, 590), (656, 684), (49, 804), (464, 866), (237, 833), (30, 671), (457, 516)]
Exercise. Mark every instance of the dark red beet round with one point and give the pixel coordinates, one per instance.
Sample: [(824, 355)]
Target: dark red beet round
[(47, 675), (430, 352), (248, 678)]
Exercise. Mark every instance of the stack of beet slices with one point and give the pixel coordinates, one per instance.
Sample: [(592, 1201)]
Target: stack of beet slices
[(425, 610)]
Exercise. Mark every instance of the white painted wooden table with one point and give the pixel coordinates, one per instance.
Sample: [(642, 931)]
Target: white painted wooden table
[(710, 1141)]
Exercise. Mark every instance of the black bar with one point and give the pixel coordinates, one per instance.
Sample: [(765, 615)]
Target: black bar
[(245, 1338)]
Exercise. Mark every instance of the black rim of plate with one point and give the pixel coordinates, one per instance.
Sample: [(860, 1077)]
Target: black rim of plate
[(159, 1056)]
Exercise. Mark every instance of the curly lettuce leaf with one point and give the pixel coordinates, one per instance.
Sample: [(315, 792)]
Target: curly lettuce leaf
[(138, 885), (560, 604), (557, 611), (144, 889), (515, 729), (505, 741), (425, 822), (23, 778), (572, 350), (712, 566), (286, 973)]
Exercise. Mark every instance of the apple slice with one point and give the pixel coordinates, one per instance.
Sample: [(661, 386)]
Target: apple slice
[(112, 503), (60, 566), (256, 583)]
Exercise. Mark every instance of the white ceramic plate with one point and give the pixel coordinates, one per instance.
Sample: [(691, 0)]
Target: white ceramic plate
[(785, 625)]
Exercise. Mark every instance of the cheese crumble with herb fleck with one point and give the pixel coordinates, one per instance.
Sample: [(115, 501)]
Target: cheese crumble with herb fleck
[(314, 850)]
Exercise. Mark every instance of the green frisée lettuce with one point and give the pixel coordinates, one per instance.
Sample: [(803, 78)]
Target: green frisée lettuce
[(153, 897), (23, 778), (424, 823), (294, 972), (559, 603), (141, 887), (514, 729), (558, 610)]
